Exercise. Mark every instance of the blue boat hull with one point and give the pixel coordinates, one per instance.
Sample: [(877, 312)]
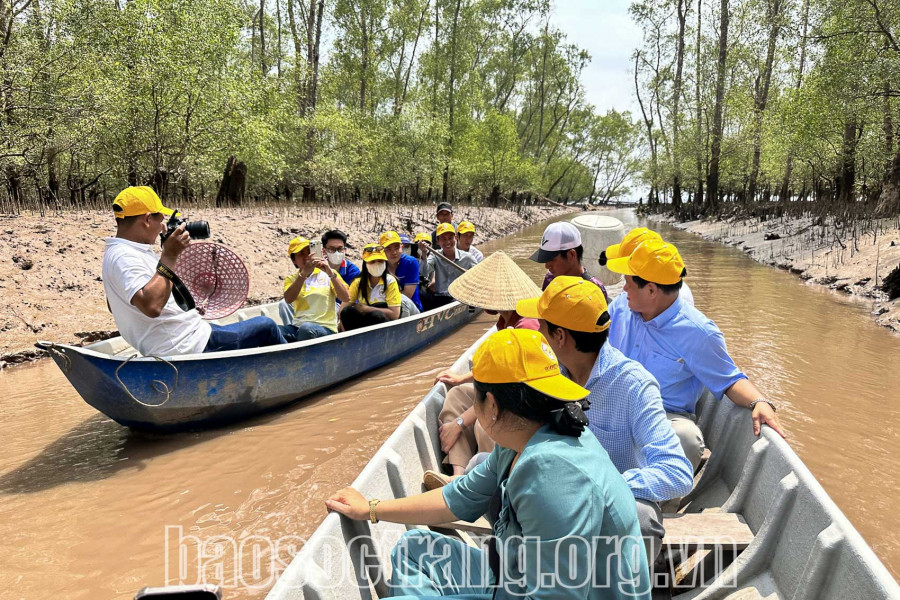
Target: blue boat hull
[(218, 388)]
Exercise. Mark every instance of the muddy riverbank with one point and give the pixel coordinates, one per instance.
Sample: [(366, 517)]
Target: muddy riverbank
[(853, 261), (50, 283)]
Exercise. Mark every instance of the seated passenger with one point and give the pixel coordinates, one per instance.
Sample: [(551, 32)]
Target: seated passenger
[(495, 285), (374, 295), (561, 252), (444, 272), (311, 291), (426, 277), (681, 348), (138, 286), (464, 237), (406, 269), (405, 244), (626, 412), (564, 522), (334, 248), (444, 214), (632, 240)]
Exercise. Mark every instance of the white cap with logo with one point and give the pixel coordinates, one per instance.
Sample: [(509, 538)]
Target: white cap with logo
[(558, 237)]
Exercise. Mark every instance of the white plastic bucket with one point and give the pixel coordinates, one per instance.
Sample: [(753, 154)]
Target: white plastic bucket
[(598, 232)]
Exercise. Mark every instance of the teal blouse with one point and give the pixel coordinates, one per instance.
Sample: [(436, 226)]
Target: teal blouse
[(568, 524)]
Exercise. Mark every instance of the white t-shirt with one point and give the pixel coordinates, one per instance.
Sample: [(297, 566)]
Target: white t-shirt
[(127, 267)]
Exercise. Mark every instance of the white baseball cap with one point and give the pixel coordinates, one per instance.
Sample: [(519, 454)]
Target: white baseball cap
[(558, 237)]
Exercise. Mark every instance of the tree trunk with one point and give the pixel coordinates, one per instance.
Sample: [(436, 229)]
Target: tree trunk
[(847, 178), (712, 180), (698, 196), (262, 36), (648, 121), (762, 92), (453, 35), (682, 10), (789, 167)]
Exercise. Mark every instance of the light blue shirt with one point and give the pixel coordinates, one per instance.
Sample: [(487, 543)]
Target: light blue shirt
[(628, 418), (565, 507), (682, 349)]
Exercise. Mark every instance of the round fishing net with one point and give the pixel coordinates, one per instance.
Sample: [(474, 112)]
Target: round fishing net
[(216, 278)]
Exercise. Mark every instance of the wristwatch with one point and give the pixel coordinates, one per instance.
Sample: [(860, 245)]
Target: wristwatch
[(372, 504), (758, 400), (460, 422)]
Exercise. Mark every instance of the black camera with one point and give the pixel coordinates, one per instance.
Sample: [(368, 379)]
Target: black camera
[(199, 230)]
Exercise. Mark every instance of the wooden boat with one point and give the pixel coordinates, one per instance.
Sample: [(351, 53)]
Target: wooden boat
[(200, 390), (793, 541)]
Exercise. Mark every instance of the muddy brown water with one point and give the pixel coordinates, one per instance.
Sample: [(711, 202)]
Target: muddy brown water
[(85, 503)]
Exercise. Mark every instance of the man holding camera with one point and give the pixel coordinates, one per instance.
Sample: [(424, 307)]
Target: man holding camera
[(139, 286)]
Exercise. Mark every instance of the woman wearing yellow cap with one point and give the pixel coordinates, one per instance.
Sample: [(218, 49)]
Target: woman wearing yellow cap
[(374, 295), (564, 522)]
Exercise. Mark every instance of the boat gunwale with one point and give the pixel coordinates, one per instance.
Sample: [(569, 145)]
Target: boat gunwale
[(87, 351)]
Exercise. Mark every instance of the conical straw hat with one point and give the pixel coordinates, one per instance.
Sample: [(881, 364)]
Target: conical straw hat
[(496, 283)]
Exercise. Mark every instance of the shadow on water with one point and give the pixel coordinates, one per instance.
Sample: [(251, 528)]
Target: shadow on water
[(98, 448)]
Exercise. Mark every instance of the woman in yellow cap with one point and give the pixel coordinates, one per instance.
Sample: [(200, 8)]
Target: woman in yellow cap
[(564, 521), (374, 295)]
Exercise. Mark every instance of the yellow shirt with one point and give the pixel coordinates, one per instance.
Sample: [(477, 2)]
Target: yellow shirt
[(316, 301), (376, 294)]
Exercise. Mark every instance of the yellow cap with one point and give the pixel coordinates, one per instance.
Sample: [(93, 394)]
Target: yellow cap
[(445, 228), (389, 237), (523, 356), (423, 237), (297, 244), (632, 240), (373, 252), (466, 227), (570, 302), (654, 260), (138, 200)]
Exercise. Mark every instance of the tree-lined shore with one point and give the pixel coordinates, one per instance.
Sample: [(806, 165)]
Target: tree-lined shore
[(225, 101), (770, 107)]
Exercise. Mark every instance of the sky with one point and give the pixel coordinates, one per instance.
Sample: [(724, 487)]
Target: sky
[(604, 29)]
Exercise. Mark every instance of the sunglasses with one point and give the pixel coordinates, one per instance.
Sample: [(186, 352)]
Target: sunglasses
[(370, 249)]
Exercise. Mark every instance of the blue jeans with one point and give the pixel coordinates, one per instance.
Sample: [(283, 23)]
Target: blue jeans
[(252, 333), (428, 564), (304, 331)]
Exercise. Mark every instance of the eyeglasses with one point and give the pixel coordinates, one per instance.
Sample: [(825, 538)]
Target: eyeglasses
[(330, 250)]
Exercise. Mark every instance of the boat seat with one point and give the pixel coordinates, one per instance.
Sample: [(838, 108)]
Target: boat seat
[(706, 530), (480, 527)]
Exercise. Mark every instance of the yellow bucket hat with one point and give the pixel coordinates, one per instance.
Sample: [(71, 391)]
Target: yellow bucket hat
[(373, 252), (297, 244), (466, 227), (389, 237), (632, 240), (570, 302), (654, 260), (445, 228), (523, 356), (138, 200)]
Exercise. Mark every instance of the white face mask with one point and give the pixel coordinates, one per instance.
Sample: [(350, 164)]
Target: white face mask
[(335, 258), (407, 250), (376, 269)]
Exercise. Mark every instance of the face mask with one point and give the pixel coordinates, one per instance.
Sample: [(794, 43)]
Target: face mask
[(376, 269), (335, 258), (407, 250)]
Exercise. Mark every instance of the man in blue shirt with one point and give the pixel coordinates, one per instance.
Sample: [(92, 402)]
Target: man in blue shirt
[(626, 412), (402, 266), (334, 244), (683, 349)]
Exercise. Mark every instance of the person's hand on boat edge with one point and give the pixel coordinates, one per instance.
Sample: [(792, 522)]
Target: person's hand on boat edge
[(349, 503), (451, 379), (764, 413)]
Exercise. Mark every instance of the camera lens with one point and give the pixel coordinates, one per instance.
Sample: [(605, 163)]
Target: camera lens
[(199, 230)]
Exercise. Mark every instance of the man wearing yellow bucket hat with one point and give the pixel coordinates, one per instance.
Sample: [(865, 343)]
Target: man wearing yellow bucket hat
[(567, 527), (626, 412), (139, 286), (681, 347)]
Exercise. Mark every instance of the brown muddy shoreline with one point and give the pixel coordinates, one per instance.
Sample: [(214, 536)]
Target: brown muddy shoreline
[(50, 269), (851, 262)]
